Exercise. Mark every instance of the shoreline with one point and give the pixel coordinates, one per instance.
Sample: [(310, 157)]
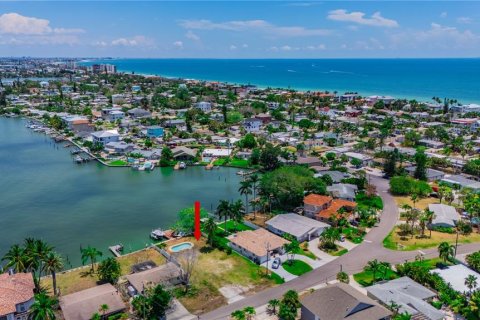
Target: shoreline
[(262, 85)]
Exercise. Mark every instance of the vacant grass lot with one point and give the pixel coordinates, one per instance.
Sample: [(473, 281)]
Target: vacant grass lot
[(395, 241), (216, 269), (296, 267), (421, 204), (365, 278), (81, 278)]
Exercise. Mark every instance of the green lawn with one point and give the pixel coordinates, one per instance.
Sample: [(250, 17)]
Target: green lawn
[(305, 252), (339, 252), (297, 267), (235, 162), (233, 226), (118, 163), (365, 278)]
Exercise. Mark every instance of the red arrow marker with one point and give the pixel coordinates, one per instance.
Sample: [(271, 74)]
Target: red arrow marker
[(197, 233)]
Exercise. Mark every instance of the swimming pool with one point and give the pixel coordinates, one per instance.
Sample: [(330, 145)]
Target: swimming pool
[(181, 246)]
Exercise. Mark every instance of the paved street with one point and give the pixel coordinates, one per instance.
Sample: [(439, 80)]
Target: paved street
[(351, 262)]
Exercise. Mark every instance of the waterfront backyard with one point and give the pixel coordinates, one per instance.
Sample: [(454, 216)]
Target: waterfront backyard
[(70, 205)]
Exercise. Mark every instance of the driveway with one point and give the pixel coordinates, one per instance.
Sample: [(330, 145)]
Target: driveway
[(351, 262), (287, 276)]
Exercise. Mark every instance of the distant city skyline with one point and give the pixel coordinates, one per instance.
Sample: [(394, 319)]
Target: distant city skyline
[(233, 29)]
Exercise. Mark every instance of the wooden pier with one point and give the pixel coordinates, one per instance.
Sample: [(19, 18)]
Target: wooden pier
[(116, 249)]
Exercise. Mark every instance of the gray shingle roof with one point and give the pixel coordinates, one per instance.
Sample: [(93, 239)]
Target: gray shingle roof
[(341, 301)]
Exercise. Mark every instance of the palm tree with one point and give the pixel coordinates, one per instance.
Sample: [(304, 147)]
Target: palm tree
[(15, 258), (53, 262), (249, 312), (373, 266), (238, 315), (237, 212), (43, 308), (429, 215), (385, 266), (90, 253), (210, 226), (104, 309), (223, 211), (471, 283), (254, 180), (445, 251), (245, 189), (414, 198), (273, 304)]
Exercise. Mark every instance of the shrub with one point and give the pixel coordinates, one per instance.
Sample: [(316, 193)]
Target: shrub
[(444, 229)]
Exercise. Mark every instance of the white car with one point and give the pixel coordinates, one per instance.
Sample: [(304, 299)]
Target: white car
[(276, 263)]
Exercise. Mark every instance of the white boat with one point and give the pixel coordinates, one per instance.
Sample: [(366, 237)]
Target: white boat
[(147, 166), (157, 234), (182, 165)]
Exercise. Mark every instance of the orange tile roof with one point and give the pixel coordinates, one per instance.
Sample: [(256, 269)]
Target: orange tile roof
[(80, 122), (336, 205), (14, 289), (316, 199)]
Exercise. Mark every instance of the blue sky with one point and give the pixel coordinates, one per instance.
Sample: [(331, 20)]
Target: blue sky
[(248, 29)]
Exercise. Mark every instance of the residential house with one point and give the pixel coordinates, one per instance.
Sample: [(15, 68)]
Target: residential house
[(252, 124), (257, 245), (138, 113), (118, 98), (410, 296), (343, 191), (153, 154), (204, 106), (456, 275), (324, 208), (432, 144), (155, 131), (105, 137), (175, 123), (444, 215), (462, 182), (16, 295), (432, 174), (183, 154), (364, 159), (119, 147), (265, 117), (300, 227), (167, 275), (341, 302), (83, 304), (309, 161), (210, 154), (112, 114), (337, 176)]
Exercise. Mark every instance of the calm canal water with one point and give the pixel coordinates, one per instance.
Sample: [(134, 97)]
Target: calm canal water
[(44, 194)]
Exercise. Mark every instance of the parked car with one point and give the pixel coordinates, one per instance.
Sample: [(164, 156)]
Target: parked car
[(276, 263), (342, 238)]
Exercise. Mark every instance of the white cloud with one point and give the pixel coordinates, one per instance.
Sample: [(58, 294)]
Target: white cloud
[(253, 26), (317, 47), (437, 36), (178, 44), (244, 45), (14, 23), (443, 14), (192, 36), (464, 20), (136, 41), (375, 20), (233, 47)]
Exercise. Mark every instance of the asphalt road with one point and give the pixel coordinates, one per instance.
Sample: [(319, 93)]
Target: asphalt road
[(352, 262)]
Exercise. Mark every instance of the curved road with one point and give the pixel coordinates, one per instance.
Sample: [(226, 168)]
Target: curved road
[(352, 262)]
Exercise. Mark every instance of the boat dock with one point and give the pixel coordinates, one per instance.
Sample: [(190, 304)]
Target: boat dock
[(116, 250)]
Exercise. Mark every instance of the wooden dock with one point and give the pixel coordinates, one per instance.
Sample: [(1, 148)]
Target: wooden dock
[(116, 249)]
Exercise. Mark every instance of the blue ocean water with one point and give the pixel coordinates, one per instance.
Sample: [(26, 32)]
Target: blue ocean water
[(419, 79)]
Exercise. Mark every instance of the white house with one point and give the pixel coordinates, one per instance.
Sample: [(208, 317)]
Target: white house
[(105, 137), (204, 106), (209, 154), (445, 216), (455, 276), (300, 227), (252, 124)]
